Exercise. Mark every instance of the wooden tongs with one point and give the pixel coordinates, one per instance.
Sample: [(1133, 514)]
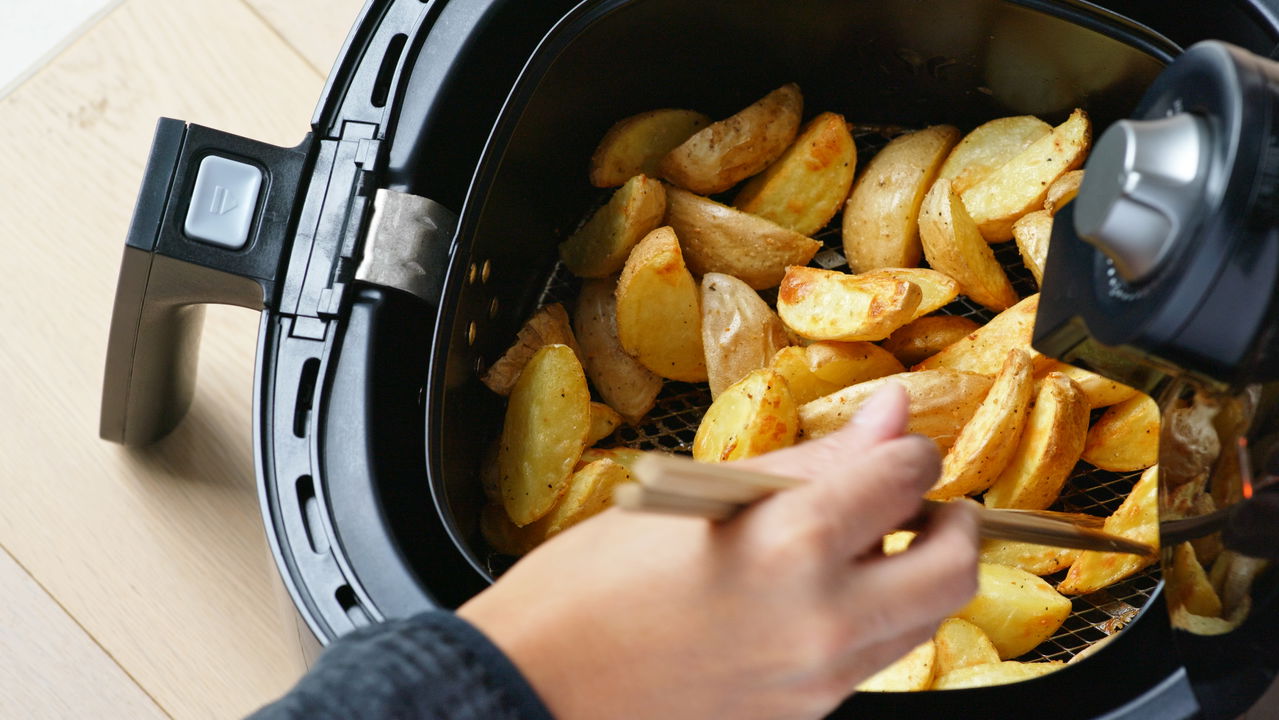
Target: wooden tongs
[(679, 486)]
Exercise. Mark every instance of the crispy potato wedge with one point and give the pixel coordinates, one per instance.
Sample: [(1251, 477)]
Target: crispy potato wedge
[(753, 416), (1015, 609), (881, 218), (989, 146), (626, 385), (1020, 185), (1049, 448), (987, 442), (828, 305), (547, 422), (922, 337), (803, 190), (936, 289), (718, 238), (548, 326), (589, 493), (635, 145), (1034, 559), (1001, 673), (740, 332), (823, 367), (505, 536), (1063, 191), (984, 350), (941, 403), (1099, 391), (723, 153), (623, 456), (961, 644), (604, 420), (1137, 518), (1126, 436), (911, 672), (953, 245), (600, 247), (1032, 232), (1188, 586), (658, 319)]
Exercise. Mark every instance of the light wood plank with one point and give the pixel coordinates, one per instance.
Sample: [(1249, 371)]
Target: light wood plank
[(316, 29), (159, 554), (49, 667)]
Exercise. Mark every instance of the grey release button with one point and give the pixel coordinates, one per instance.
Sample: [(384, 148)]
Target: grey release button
[(222, 204)]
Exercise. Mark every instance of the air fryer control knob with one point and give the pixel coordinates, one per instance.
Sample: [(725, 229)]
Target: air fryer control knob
[(1145, 185)]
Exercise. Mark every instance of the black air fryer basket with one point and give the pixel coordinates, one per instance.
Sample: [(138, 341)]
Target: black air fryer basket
[(395, 252)]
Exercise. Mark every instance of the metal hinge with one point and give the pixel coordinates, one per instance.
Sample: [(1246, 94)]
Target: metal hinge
[(407, 244)]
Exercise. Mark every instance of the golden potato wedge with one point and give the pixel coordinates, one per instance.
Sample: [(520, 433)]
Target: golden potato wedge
[(989, 146), (1020, 185), (723, 153), (1048, 450), (1063, 191), (1098, 391), (635, 145), (604, 420), (589, 493), (881, 217), (1000, 673), (718, 238), (751, 417), (505, 536), (823, 367), (627, 386), (984, 350), (987, 442), (961, 644), (1126, 436), (547, 421), (1032, 232), (623, 456), (1034, 559), (941, 402), (921, 338), (548, 326), (803, 190), (828, 305), (740, 332), (1137, 518), (953, 245), (1015, 609), (1188, 586), (600, 247), (909, 673), (936, 289), (658, 319)]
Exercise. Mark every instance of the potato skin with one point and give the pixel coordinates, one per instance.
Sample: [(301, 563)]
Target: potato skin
[(923, 337), (625, 385), (953, 245), (636, 144), (740, 332), (658, 319), (548, 326)]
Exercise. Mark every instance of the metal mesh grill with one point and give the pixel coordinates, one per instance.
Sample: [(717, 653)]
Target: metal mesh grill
[(673, 422)]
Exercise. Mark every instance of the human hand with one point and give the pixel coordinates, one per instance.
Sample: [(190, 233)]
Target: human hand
[(776, 613)]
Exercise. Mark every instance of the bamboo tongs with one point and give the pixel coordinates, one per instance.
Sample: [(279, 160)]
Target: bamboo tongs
[(679, 486)]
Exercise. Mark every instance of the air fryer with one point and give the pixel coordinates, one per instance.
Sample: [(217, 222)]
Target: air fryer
[(396, 250)]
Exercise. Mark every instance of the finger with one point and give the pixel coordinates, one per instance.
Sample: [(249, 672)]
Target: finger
[(862, 664)]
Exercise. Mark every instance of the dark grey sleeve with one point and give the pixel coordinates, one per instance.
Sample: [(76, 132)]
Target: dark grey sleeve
[(433, 665)]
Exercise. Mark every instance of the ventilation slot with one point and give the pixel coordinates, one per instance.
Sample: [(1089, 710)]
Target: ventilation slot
[(351, 606), (382, 87), (311, 520), (306, 395)]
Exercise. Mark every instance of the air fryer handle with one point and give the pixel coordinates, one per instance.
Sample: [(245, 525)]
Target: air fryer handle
[(210, 226)]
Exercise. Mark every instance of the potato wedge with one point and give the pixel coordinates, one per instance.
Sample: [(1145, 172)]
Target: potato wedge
[(921, 338), (600, 247), (936, 289), (823, 367), (635, 145), (941, 403), (505, 536), (803, 190), (623, 456), (1015, 609), (1049, 448), (1137, 518), (989, 146), (1034, 559), (589, 493), (1188, 586), (987, 442), (753, 416), (627, 386), (909, 673), (881, 217), (547, 422), (1126, 437), (1032, 232), (658, 319), (1020, 185), (718, 238), (1098, 391), (1063, 191), (740, 332), (828, 305), (961, 644), (604, 420), (723, 153), (1001, 673), (549, 325), (953, 245), (984, 350)]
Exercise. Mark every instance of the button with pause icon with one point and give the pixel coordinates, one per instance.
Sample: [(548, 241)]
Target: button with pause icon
[(223, 201)]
